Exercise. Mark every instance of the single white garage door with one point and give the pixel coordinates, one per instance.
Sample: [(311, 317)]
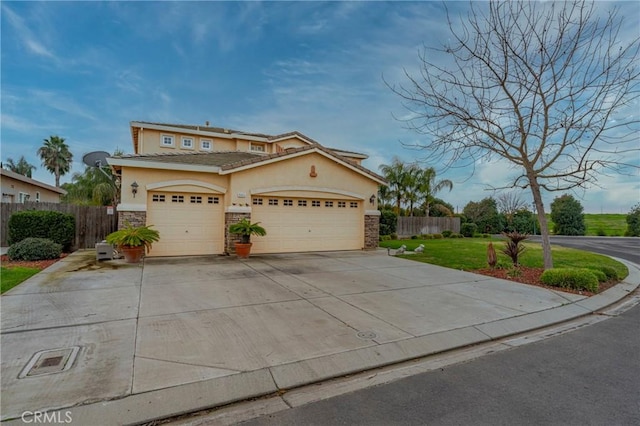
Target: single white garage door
[(189, 224), (307, 224)]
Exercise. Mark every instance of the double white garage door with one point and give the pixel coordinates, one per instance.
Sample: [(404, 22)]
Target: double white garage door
[(305, 224), (193, 224)]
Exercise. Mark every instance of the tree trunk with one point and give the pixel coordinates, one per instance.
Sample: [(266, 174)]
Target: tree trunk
[(544, 227), (57, 173)]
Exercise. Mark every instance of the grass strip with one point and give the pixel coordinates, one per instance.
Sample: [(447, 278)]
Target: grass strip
[(11, 277), (468, 254)]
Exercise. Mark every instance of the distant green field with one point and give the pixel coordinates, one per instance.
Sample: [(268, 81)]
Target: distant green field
[(609, 224)]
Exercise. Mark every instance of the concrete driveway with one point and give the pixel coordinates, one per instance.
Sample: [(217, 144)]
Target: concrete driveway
[(180, 334)]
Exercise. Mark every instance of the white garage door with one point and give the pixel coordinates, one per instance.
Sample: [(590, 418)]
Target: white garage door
[(305, 224), (189, 224)]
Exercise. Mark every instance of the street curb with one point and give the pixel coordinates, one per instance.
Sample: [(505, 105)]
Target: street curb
[(177, 400)]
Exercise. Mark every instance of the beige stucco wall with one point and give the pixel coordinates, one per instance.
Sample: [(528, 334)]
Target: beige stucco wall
[(149, 142), (288, 177), (13, 187), (145, 177), (291, 177)]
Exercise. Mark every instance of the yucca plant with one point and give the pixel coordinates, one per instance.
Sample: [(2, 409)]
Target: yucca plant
[(134, 236)]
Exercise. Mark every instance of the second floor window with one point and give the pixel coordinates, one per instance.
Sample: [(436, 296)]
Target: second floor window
[(187, 143), (166, 140)]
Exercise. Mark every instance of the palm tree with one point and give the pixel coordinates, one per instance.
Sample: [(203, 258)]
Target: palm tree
[(22, 167), (56, 157), (93, 187), (396, 174), (413, 181), (428, 187), (384, 196)]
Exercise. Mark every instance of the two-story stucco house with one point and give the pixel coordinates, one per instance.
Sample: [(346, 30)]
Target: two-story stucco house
[(17, 188), (191, 182)]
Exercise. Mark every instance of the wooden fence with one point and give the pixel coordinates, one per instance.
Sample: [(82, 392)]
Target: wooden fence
[(408, 226), (93, 223)]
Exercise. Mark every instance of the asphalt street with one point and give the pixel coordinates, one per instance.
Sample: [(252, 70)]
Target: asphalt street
[(623, 247)]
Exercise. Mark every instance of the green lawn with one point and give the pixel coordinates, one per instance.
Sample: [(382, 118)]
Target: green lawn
[(609, 224), (11, 277), (471, 253)]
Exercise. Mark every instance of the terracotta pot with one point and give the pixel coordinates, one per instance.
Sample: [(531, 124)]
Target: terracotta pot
[(132, 254), (243, 250)]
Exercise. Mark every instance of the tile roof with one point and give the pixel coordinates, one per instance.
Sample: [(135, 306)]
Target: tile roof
[(229, 131), (217, 158), (229, 160)]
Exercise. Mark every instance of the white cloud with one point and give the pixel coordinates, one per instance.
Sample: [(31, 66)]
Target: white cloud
[(26, 35)]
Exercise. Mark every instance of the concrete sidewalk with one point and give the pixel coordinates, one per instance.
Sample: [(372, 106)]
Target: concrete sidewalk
[(184, 334)]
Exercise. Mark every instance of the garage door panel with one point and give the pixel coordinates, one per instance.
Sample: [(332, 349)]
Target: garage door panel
[(194, 226), (308, 228)]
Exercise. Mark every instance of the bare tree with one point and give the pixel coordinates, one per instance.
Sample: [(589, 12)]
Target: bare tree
[(549, 87), (509, 203)]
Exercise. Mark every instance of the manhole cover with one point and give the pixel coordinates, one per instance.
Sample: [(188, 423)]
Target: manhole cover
[(50, 361), (367, 335)]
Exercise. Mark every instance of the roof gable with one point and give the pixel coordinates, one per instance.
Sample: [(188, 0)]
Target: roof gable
[(227, 162)]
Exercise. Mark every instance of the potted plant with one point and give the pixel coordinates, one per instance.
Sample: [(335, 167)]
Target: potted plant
[(132, 241), (245, 229)]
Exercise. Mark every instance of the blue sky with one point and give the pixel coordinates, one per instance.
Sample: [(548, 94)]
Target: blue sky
[(84, 70)]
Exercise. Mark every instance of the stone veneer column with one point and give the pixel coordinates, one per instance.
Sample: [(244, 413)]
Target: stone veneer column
[(135, 218), (230, 239), (371, 230)]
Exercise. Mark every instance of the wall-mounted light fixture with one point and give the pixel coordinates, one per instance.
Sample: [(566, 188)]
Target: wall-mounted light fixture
[(372, 199), (134, 188)]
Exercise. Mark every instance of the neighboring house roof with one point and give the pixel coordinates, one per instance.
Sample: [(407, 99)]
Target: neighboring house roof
[(17, 176), (225, 162)]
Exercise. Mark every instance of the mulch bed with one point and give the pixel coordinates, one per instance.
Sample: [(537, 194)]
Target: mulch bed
[(38, 264), (531, 276)]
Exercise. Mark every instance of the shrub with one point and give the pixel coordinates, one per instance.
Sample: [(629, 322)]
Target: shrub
[(446, 233), (385, 238), (394, 236), (388, 222), (428, 237), (608, 271), (579, 279), (468, 229), (456, 235), (485, 215), (486, 236), (601, 233), (34, 249), (55, 226), (601, 276), (567, 217), (633, 222), (437, 236), (414, 237)]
